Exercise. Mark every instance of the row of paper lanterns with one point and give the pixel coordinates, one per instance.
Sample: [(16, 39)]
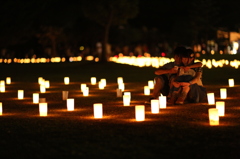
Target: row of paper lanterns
[(155, 104), (160, 61)]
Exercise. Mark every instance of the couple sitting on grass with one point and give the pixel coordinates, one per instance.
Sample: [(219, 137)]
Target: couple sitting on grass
[(181, 80)]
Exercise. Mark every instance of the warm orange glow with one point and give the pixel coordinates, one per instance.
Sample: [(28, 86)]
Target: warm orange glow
[(223, 93), (162, 101), (35, 97), (126, 100), (140, 112), (20, 94), (231, 82), (64, 95), (119, 92), (1, 110), (43, 109), (66, 80), (93, 80), (97, 110), (213, 116), (155, 106), (146, 90), (211, 98), (220, 105), (70, 104)]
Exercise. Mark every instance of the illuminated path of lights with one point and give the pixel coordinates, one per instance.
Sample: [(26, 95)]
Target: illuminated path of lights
[(142, 61)]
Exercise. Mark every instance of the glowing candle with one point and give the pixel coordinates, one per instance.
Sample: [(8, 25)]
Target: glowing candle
[(150, 84), (43, 109), (211, 98), (86, 91), (231, 82), (64, 95), (97, 110), (220, 105), (146, 90), (140, 112), (128, 93), (155, 106), (40, 80), (70, 104), (100, 85), (42, 88), (8, 80), (93, 80), (20, 94), (162, 101), (47, 84), (2, 86), (126, 100), (223, 93), (121, 86), (213, 116), (66, 80), (119, 80), (119, 92), (83, 86), (35, 97), (1, 110), (104, 82)]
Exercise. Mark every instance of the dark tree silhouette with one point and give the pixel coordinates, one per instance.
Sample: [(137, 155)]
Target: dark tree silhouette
[(108, 13)]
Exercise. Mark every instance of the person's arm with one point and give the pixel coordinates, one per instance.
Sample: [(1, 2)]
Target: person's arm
[(196, 78), (197, 64), (166, 71)]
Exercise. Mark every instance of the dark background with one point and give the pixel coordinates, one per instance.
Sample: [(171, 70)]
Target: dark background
[(25, 25)]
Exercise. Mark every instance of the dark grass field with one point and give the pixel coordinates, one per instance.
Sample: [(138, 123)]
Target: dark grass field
[(175, 132)]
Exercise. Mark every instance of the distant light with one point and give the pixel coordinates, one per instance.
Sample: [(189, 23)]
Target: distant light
[(81, 48), (163, 54)]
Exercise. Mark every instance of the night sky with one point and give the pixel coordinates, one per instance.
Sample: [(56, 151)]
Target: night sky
[(19, 18)]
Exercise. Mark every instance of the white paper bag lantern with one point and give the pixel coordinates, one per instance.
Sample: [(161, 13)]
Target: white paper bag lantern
[(162, 101), (43, 109), (121, 86), (140, 112), (223, 93), (93, 80), (211, 98), (66, 80), (1, 109), (2, 86), (35, 97), (231, 82), (126, 100), (8, 80), (220, 105), (70, 104), (146, 90), (104, 82), (150, 84), (97, 110), (83, 86), (20, 94), (86, 91), (42, 88), (119, 80), (155, 106), (213, 116), (101, 85)]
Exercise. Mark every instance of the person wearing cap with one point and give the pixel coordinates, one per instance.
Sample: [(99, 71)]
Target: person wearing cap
[(187, 85), (167, 72)]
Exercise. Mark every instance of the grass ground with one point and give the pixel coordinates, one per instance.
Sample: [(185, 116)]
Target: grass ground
[(176, 132)]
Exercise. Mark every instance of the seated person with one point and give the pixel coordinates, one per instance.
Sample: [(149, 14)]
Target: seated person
[(188, 78)]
